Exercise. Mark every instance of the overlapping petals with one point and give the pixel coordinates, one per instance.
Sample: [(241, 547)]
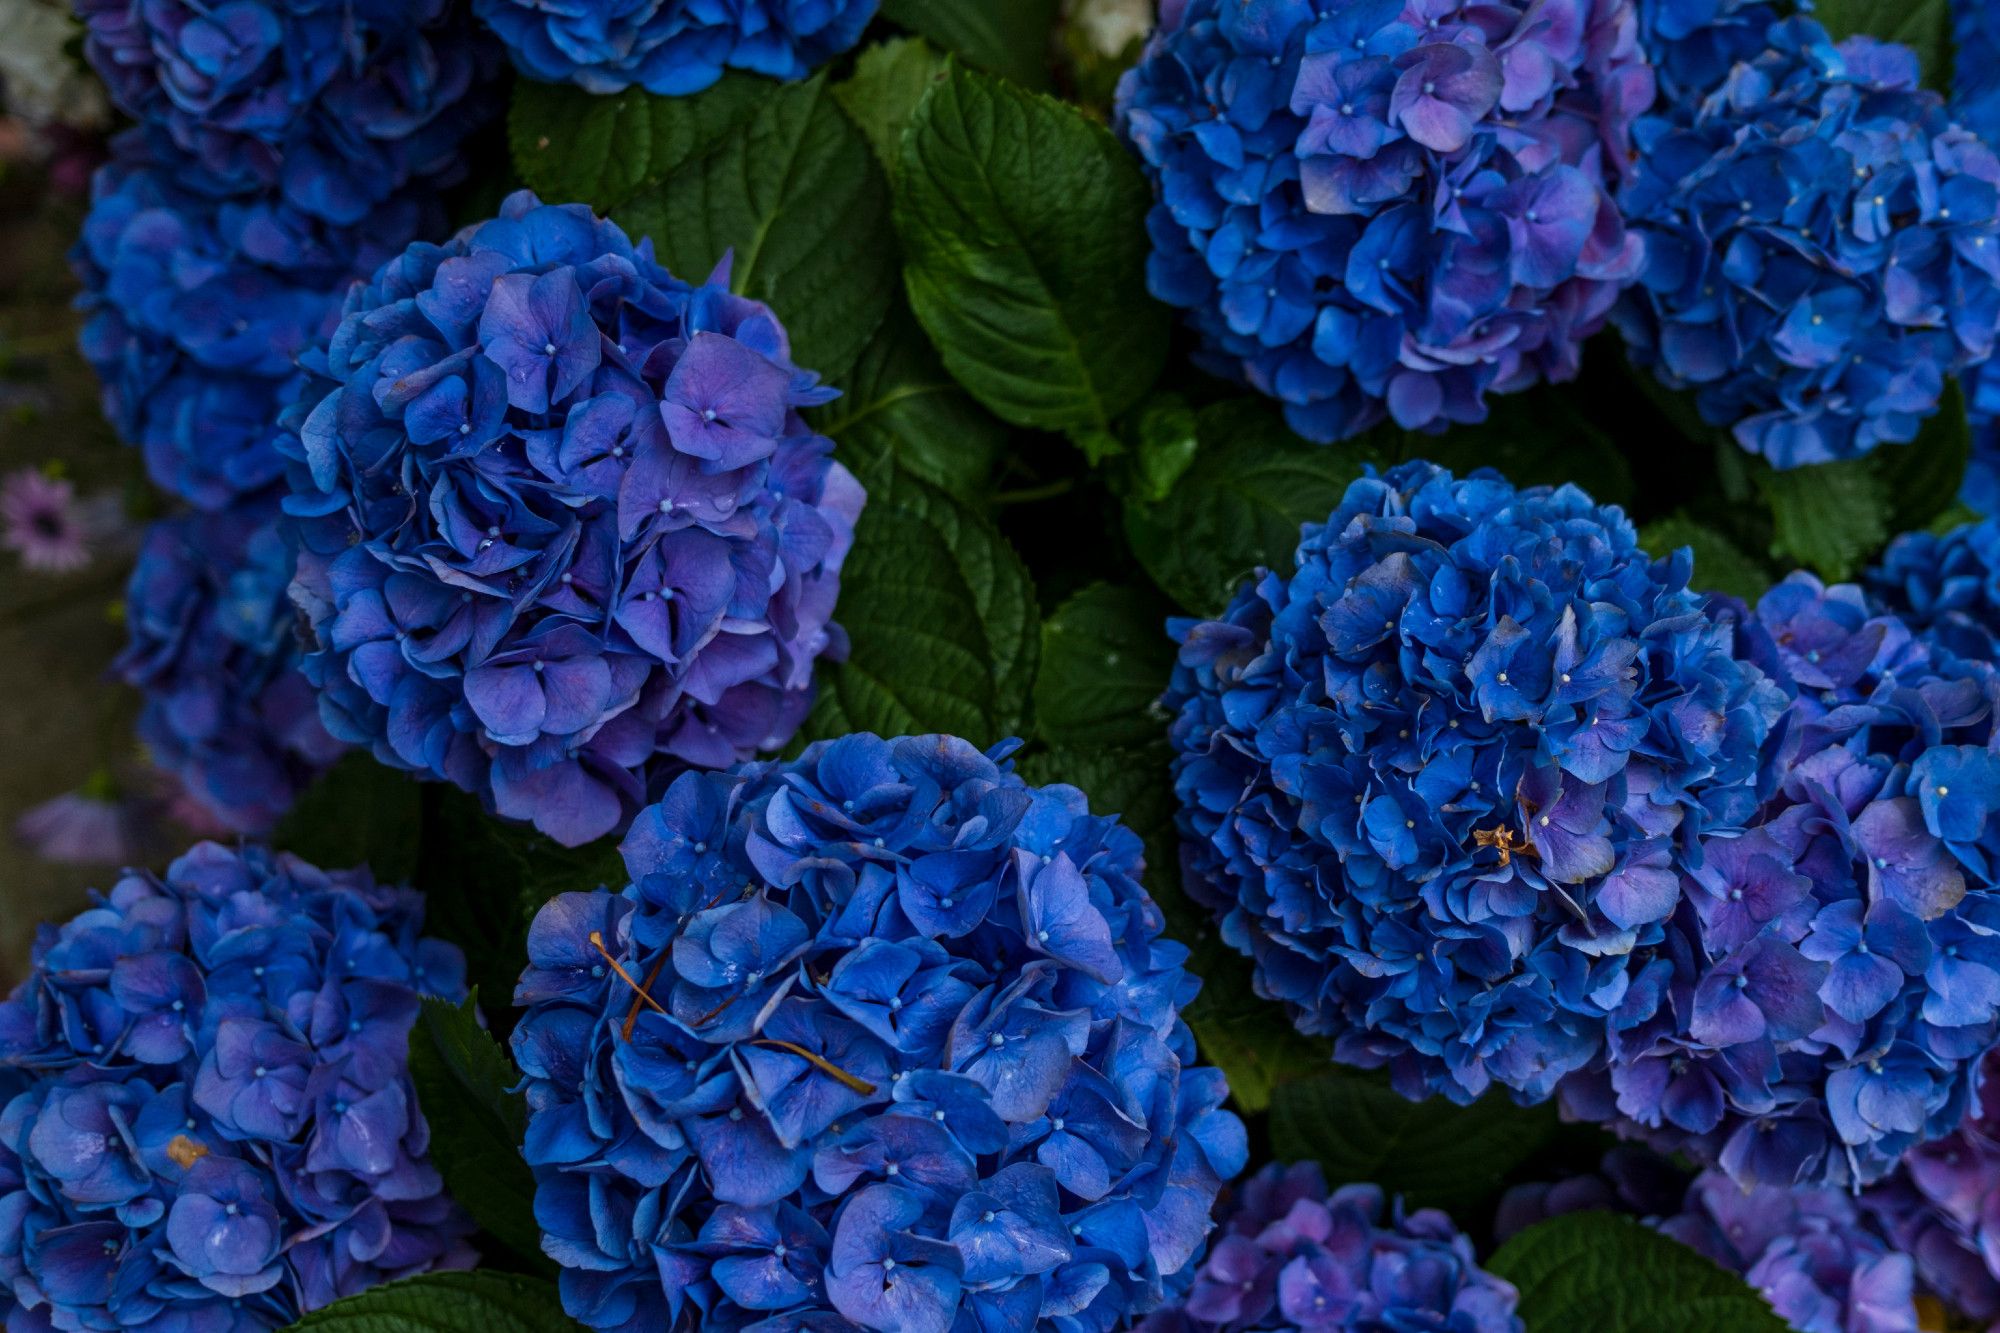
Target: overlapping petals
[(1388, 209), (672, 46), (1946, 586), (209, 1124), (1822, 243), (563, 529), (1975, 101), (879, 1038)]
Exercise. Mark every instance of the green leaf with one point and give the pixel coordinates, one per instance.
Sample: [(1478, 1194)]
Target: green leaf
[(1828, 518), (1024, 241), (1239, 505), (1008, 37), (1602, 1273), (1921, 479), (1922, 25), (359, 812), (941, 620), (1719, 564), (898, 408), (889, 80), (479, 1302), (463, 1081), (1431, 1152), (1105, 660), (1168, 434), (571, 146), (1539, 437)]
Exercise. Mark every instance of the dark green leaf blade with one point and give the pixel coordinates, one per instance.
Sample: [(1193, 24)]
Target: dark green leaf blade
[(1921, 479), (1105, 662), (1922, 25), (1008, 37), (1601, 1273), (572, 147), (359, 812), (480, 1302), (882, 95), (1829, 517), (1023, 229), (1719, 564)]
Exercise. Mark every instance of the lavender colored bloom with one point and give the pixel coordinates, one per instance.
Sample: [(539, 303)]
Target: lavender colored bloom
[(1292, 1256), (880, 1038), (1389, 208), (90, 826), (564, 530), (211, 646), (672, 47), (208, 1120), (43, 522), (1822, 243)]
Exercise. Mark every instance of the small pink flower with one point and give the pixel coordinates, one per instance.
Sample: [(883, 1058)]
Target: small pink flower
[(41, 521)]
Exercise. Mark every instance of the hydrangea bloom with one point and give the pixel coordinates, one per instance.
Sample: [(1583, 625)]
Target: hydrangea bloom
[(334, 108), (1975, 101), (1628, 1179), (1293, 1257), (1946, 586), (563, 524), (1821, 239), (198, 307), (1436, 781), (672, 46), (209, 1122), (881, 1037), (42, 522), (1811, 1253), (1389, 207), (212, 647)]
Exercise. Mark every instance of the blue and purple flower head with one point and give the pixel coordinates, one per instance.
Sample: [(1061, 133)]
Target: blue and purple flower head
[(1946, 587), (1975, 100), (880, 1037), (1291, 1256), (1822, 243), (564, 530), (212, 648), (209, 1122), (1389, 208)]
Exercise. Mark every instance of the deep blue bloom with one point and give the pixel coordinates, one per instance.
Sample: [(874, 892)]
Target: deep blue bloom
[(563, 528), (672, 46), (1389, 208), (1946, 586), (880, 1037), (1293, 1257), (1975, 101), (332, 108), (208, 1122), (1822, 242), (212, 648)]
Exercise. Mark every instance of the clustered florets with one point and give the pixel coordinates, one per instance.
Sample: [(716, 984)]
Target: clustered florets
[(1290, 1256), (1822, 245), (1946, 587), (1384, 208), (672, 46), (563, 528), (209, 1122), (880, 1037)]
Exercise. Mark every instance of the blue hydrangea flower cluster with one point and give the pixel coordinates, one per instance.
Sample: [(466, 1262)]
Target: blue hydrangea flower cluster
[(1813, 1254), (333, 108), (1293, 1257), (1378, 208), (209, 1122), (878, 1038), (1822, 244), (672, 46), (1946, 587), (1975, 101), (211, 646), (563, 528)]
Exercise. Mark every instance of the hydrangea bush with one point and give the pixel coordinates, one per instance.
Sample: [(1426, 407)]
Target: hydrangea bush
[(1387, 209), (208, 1120), (562, 526), (880, 1037), (1821, 240)]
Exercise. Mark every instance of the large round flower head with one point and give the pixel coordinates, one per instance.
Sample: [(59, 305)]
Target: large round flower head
[(333, 106), (672, 46), (1822, 245), (1813, 1254), (1946, 587), (212, 647), (1975, 100), (1392, 207), (209, 1121), (879, 1038), (1436, 781), (1290, 1256), (198, 306), (563, 525)]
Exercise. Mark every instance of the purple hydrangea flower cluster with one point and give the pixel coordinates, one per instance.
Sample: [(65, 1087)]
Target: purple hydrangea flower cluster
[(1380, 208), (332, 108), (672, 47), (212, 647), (209, 1122), (563, 528), (1293, 1257), (878, 1038), (1822, 244), (1946, 587)]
